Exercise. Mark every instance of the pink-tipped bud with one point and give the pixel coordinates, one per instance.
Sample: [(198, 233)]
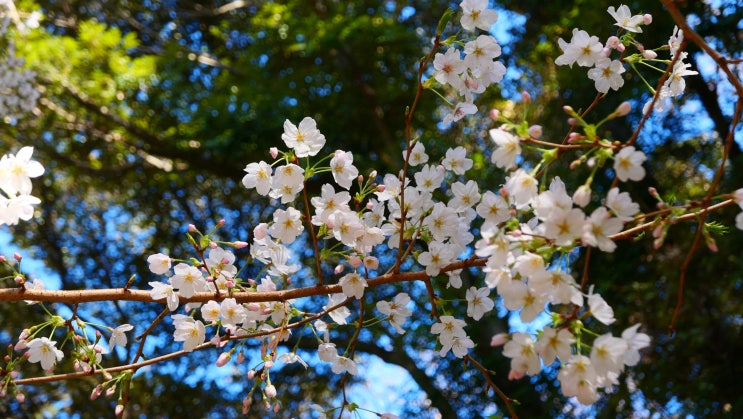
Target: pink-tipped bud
[(240, 357), (499, 339), (711, 244), (516, 233), (17, 256), (14, 374), (516, 375), (380, 188), (209, 278), (260, 231), (591, 162), (6, 358), (246, 405), (338, 268), (2, 259), (240, 244), (612, 42), (653, 192), (20, 397), (373, 174), (575, 164), (621, 47), (568, 109), (213, 245), (191, 228), (222, 222), (119, 410), (251, 374), (354, 261), (649, 54), (223, 359), (572, 122), (110, 391), (97, 391), (268, 364), (623, 109), (525, 97), (582, 196), (535, 131), (573, 137), (230, 283), (270, 391), (274, 152), (276, 408), (254, 306), (494, 114), (647, 18), (360, 179), (19, 280)]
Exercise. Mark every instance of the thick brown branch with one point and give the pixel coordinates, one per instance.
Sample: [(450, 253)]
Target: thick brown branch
[(120, 294)]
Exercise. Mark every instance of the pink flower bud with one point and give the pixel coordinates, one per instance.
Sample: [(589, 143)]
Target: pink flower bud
[(111, 391), (535, 131), (246, 405), (525, 96), (260, 231), (14, 374), (612, 42), (274, 152), (222, 222), (360, 179), (515, 375), (96, 392), (354, 261), (591, 162), (270, 391), (2, 259), (269, 365), (572, 121), (223, 359), (582, 196), (499, 339), (240, 244), (254, 306), (373, 174), (494, 114), (119, 410), (19, 280), (20, 397), (17, 256), (251, 374), (240, 357), (213, 245), (575, 164), (623, 109), (649, 54), (338, 268), (647, 18), (568, 109), (380, 188), (230, 283), (191, 228)]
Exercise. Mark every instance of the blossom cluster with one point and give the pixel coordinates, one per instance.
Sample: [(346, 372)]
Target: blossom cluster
[(474, 68), (16, 171), (588, 51), (18, 95)]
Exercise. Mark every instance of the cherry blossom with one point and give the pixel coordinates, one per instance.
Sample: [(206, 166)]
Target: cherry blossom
[(44, 351), (306, 140), (628, 164), (475, 14)]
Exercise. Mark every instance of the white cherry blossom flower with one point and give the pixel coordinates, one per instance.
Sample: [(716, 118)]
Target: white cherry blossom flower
[(620, 203), (508, 148), (259, 177), (44, 351), (625, 20), (456, 160), (475, 14), (344, 172), (164, 291), (159, 263), (628, 164), (306, 140), (478, 302), (189, 331), (582, 49), (188, 280), (353, 285), (17, 170), (418, 154), (118, 335), (287, 225), (607, 74)]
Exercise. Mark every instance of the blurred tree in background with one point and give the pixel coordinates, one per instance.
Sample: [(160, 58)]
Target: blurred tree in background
[(150, 111)]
